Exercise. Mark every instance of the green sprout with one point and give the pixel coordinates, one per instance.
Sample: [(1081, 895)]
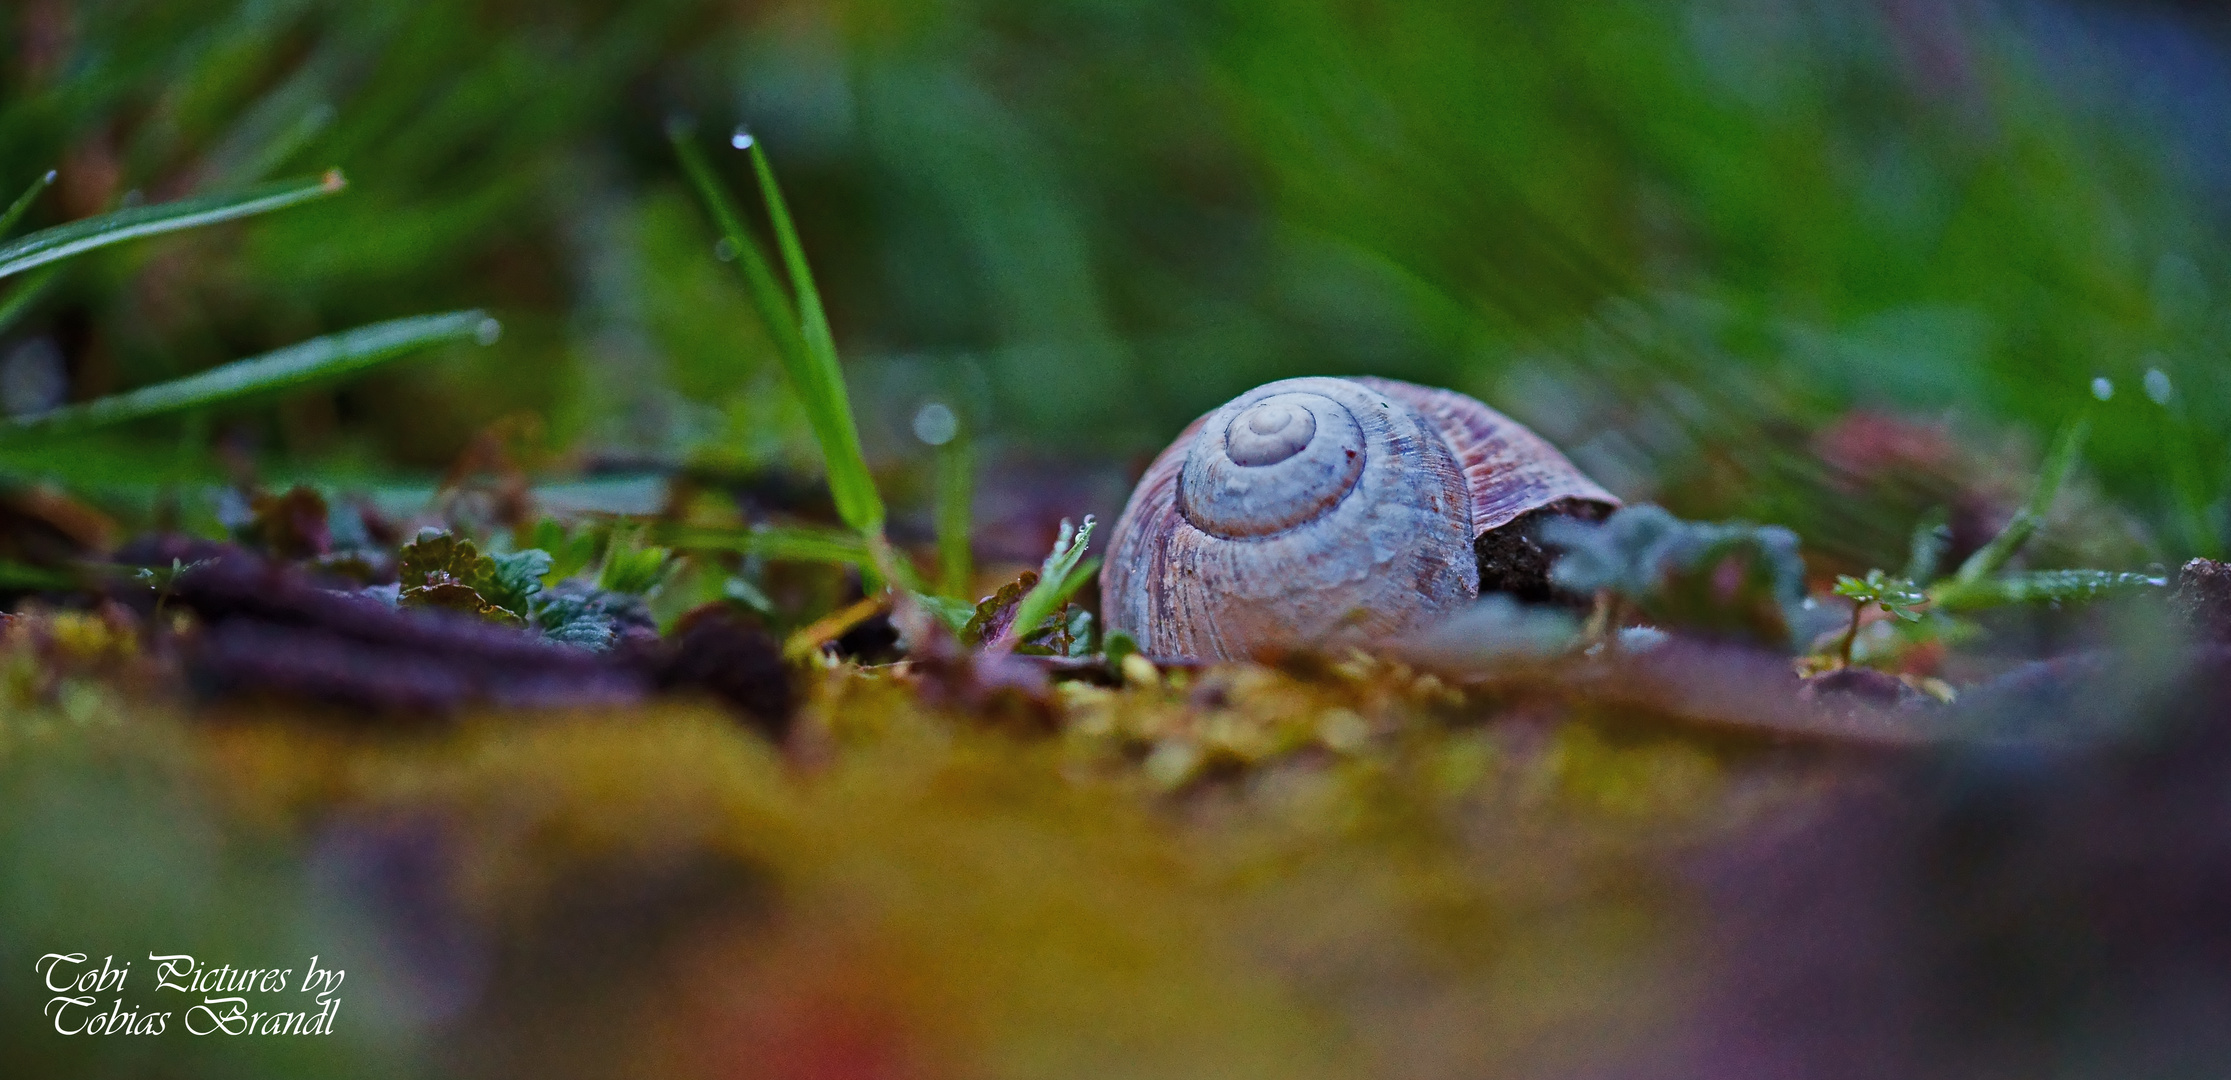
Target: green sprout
[(1896, 595)]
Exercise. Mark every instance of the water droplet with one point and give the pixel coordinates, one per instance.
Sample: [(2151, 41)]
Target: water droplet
[(488, 331), (2157, 386), (2103, 388), (724, 249), (740, 139), (935, 424), (50, 175)]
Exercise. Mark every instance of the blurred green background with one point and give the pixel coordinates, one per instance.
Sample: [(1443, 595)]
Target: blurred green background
[(1686, 240)]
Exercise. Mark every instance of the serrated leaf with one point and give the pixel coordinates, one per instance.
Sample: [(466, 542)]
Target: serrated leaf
[(443, 592), (583, 617), (436, 552), (1722, 578), (1619, 555), (515, 580), (588, 630)]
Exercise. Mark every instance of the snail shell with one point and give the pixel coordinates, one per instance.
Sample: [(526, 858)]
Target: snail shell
[(1318, 510)]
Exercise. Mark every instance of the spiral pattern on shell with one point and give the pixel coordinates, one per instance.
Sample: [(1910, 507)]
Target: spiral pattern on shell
[(1314, 511)]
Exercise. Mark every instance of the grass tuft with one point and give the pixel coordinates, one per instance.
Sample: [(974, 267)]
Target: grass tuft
[(797, 325)]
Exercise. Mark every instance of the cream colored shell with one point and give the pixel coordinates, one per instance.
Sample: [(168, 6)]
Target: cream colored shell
[(1317, 511)]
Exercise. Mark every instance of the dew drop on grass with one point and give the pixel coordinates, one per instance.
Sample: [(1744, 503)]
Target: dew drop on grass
[(724, 249), (2157, 386), (935, 424), (740, 139), (488, 331), (2103, 388)]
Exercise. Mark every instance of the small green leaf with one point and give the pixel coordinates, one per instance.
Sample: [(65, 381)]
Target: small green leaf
[(631, 570), (78, 237), (1117, 645), (955, 614), (310, 361), (1896, 595)]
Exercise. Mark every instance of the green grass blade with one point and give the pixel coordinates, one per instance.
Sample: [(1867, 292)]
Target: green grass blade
[(22, 204), (813, 320), (956, 490), (782, 543), (2058, 463), (15, 575), (78, 237), (1063, 573), (2047, 586), (1076, 580), (813, 371), (30, 292), (856, 497), (314, 360)]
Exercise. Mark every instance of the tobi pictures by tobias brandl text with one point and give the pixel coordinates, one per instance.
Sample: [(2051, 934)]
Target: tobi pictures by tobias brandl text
[(180, 992)]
